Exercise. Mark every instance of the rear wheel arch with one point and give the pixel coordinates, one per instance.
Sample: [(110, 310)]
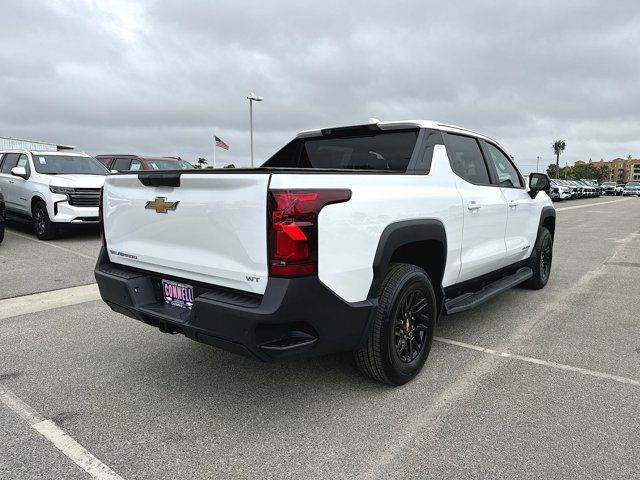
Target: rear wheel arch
[(421, 242)]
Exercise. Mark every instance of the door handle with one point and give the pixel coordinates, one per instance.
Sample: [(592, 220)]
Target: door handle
[(513, 203), (473, 206)]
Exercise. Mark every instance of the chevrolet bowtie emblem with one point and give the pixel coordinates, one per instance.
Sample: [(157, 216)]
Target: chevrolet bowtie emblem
[(160, 205)]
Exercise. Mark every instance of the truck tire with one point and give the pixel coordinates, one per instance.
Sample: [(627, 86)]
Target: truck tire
[(540, 261), (2, 222), (400, 340), (42, 224)]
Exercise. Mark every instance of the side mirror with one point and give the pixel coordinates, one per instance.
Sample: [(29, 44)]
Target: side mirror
[(538, 182), (19, 172)]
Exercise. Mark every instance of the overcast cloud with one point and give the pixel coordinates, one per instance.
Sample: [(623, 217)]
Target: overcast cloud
[(159, 77)]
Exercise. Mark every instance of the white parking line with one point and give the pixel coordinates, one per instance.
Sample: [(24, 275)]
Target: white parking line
[(560, 366), (39, 302), (592, 204), (52, 245), (58, 437)]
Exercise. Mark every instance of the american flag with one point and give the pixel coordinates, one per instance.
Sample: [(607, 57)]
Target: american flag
[(221, 144)]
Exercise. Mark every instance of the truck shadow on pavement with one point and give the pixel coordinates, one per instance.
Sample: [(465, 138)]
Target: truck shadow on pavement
[(90, 231)]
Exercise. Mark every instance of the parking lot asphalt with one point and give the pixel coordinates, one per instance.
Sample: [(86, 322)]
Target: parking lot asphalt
[(32, 266), (151, 405)]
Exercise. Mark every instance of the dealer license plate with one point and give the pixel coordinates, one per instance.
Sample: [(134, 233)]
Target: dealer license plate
[(177, 294)]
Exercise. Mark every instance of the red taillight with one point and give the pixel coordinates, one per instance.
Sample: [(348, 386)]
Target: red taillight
[(293, 235)]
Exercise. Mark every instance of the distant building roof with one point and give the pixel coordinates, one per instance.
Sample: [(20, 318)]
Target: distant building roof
[(10, 142)]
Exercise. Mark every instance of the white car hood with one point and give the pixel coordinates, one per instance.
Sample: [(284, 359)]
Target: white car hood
[(78, 181)]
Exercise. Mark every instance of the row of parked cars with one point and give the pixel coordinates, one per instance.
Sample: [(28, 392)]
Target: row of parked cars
[(568, 189), (51, 189)]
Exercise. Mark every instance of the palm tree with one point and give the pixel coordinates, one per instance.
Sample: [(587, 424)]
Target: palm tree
[(558, 148)]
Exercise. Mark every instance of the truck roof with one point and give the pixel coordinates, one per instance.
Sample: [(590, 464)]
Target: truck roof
[(401, 124)]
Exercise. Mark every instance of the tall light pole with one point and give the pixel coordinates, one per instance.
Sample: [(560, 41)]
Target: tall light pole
[(538, 164), (252, 97)]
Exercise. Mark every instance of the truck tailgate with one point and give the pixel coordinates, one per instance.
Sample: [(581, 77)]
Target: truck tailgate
[(216, 233)]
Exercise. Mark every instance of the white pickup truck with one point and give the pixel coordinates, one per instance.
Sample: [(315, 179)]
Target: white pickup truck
[(348, 239)]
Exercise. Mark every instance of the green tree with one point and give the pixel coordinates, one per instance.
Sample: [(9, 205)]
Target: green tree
[(585, 170), (558, 147), (552, 171), (201, 163), (602, 174), (231, 165)]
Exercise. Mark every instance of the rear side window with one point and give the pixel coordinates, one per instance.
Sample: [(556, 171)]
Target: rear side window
[(10, 161), (466, 159), (121, 164), (380, 150), (105, 161), (507, 174)]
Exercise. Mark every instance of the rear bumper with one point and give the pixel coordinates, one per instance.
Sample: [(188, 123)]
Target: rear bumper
[(295, 317)]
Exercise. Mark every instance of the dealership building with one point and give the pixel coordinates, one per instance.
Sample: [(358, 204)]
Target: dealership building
[(9, 143)]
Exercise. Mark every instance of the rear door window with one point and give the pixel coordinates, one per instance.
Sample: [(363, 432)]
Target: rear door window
[(466, 159), (10, 161)]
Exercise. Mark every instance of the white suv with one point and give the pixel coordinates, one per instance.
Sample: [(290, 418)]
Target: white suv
[(51, 188)]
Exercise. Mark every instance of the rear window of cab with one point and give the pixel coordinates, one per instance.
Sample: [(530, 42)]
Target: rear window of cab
[(380, 151)]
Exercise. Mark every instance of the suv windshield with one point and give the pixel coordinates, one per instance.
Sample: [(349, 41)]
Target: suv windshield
[(68, 164), (608, 184), (374, 150), (633, 184), (168, 165)]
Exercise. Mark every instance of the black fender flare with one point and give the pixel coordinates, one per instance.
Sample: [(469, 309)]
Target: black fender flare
[(547, 211), (400, 233)]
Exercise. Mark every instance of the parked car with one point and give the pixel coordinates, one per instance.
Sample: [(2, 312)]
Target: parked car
[(372, 231), (125, 163), (609, 188), (589, 189), (559, 192), (632, 188), (3, 217), (573, 189), (51, 188)]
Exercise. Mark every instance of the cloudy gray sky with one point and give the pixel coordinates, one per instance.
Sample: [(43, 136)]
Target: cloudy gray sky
[(158, 77)]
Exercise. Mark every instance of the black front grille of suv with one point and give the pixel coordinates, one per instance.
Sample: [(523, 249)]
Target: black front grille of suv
[(85, 197)]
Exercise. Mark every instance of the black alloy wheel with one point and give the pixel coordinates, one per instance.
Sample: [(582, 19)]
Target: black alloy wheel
[(540, 260), (546, 255), (411, 326), (404, 322), (42, 224)]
